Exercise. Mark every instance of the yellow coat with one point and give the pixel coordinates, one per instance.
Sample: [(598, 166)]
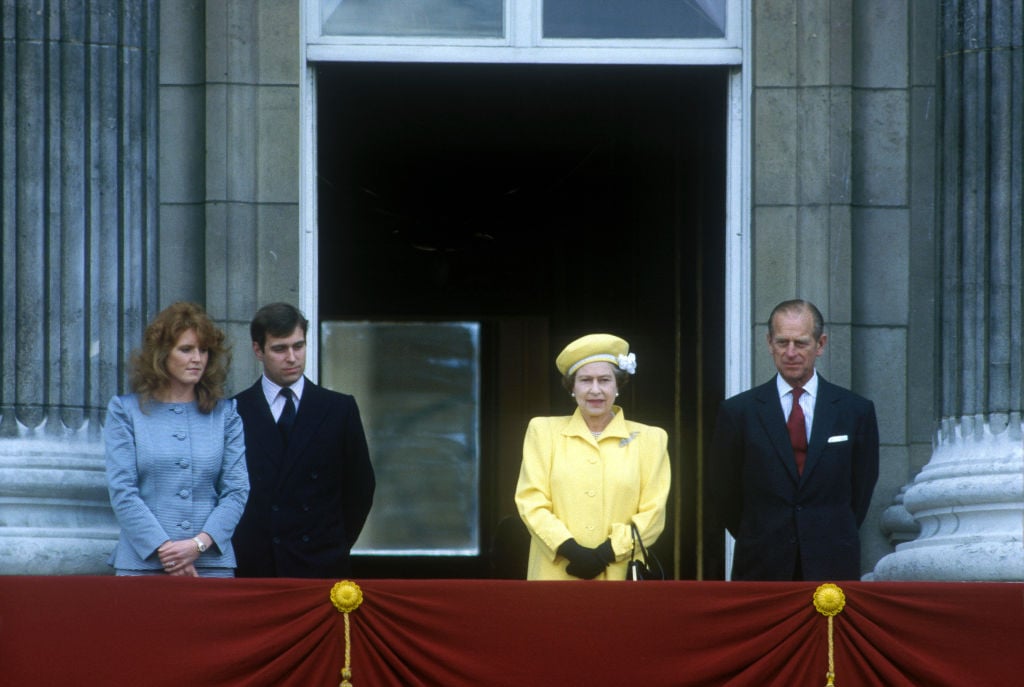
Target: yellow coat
[(573, 485)]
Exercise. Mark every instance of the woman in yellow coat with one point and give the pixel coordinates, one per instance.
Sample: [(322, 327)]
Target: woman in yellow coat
[(586, 477)]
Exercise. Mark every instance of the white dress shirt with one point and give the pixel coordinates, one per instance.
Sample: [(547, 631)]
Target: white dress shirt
[(807, 399), (276, 401)]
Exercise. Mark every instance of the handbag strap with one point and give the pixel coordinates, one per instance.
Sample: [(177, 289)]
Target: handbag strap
[(650, 560), (637, 541)]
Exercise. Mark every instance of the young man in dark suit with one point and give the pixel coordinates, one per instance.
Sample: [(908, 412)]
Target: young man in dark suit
[(793, 481), (311, 479)]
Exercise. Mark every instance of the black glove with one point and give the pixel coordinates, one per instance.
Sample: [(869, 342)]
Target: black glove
[(606, 553), (586, 563)]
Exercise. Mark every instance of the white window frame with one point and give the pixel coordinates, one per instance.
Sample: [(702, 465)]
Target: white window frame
[(523, 43)]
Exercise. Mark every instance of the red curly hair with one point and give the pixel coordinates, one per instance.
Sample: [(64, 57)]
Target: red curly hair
[(149, 376)]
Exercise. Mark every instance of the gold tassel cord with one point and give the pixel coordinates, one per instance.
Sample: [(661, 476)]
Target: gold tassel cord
[(346, 597), (829, 600)]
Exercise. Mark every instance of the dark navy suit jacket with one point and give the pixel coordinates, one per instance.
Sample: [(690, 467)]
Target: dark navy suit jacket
[(777, 516), (307, 501)]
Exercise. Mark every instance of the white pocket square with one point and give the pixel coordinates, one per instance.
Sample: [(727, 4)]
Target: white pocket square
[(837, 438)]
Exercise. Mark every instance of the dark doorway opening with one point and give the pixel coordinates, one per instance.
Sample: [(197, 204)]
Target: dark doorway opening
[(546, 202)]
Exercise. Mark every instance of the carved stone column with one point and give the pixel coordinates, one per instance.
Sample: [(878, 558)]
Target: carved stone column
[(969, 498), (78, 264)]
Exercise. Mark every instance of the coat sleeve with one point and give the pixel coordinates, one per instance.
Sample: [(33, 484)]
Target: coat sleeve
[(138, 523), (232, 481), (358, 479), (865, 463), (724, 465), (533, 491), (656, 479)]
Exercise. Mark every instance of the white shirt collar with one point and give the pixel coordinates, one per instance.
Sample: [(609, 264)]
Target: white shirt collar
[(271, 390), (810, 388)]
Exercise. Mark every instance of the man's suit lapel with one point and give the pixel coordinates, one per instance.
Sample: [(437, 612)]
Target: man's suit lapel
[(826, 412), (263, 429), (769, 411), (308, 418)]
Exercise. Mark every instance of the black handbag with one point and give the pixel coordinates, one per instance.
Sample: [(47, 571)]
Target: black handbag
[(647, 568)]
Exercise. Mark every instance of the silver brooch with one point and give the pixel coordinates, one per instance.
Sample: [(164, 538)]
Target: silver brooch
[(624, 442)]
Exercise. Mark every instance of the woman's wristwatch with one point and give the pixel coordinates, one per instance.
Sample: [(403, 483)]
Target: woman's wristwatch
[(199, 544)]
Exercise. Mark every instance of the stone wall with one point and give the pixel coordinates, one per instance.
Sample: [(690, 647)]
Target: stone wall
[(229, 161)]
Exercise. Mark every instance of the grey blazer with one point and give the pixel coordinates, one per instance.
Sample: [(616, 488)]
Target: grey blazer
[(173, 472)]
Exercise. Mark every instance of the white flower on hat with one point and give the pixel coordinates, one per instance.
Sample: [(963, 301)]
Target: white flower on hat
[(627, 363)]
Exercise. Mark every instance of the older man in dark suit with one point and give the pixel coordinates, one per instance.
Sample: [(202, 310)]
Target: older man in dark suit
[(794, 462), (311, 479)]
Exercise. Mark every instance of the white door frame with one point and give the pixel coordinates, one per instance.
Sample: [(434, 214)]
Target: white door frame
[(525, 46)]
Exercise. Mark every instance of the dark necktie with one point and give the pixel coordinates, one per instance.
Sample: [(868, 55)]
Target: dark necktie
[(798, 431), (287, 419)]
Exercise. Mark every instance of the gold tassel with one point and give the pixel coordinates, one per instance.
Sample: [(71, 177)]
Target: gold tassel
[(346, 597), (829, 600)]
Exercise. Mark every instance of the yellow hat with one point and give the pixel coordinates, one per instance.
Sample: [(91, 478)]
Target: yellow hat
[(596, 348)]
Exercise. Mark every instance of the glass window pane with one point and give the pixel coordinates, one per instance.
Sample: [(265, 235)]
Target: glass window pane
[(634, 18), (452, 18), (417, 386)]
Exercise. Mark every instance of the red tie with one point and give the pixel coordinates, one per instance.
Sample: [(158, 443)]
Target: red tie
[(798, 431)]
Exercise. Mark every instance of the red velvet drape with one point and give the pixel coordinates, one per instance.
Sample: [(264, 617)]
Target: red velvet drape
[(177, 632)]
